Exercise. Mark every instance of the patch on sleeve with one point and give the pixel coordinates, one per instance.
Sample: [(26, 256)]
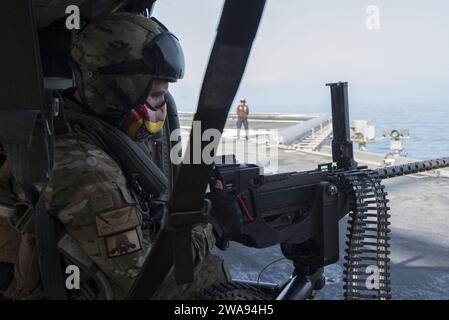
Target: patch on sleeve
[(117, 221), (123, 243)]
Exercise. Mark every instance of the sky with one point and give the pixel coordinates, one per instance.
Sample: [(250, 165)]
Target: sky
[(302, 45)]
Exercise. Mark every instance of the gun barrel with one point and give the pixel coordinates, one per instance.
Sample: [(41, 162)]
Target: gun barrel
[(413, 167)]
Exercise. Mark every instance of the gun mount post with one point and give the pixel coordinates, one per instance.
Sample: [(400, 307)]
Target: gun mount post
[(342, 149)]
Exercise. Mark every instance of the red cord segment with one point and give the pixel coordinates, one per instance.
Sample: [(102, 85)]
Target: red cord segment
[(245, 209)]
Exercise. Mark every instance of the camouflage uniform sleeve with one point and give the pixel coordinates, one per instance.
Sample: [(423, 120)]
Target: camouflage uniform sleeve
[(89, 195), (203, 241)]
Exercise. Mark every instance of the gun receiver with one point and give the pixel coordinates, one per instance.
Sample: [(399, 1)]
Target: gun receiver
[(291, 207)]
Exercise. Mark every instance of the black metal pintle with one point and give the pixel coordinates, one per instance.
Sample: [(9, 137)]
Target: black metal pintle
[(342, 149)]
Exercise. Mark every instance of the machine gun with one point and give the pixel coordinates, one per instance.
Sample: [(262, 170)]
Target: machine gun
[(301, 212)]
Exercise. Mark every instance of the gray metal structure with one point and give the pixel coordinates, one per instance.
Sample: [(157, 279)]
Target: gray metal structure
[(296, 132)]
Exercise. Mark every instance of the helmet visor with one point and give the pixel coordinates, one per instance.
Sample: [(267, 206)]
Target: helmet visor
[(163, 58)]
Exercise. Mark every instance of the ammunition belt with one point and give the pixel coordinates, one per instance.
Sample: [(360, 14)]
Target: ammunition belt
[(367, 262)]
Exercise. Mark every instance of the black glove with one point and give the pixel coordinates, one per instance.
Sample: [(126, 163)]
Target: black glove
[(225, 217), (152, 218)]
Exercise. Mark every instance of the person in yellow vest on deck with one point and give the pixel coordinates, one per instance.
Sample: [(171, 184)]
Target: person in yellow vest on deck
[(242, 117)]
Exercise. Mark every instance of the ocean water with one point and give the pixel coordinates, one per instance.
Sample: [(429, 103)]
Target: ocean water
[(428, 125)]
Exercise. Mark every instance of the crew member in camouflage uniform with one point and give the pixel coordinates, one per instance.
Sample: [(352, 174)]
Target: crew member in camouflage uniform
[(88, 192)]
